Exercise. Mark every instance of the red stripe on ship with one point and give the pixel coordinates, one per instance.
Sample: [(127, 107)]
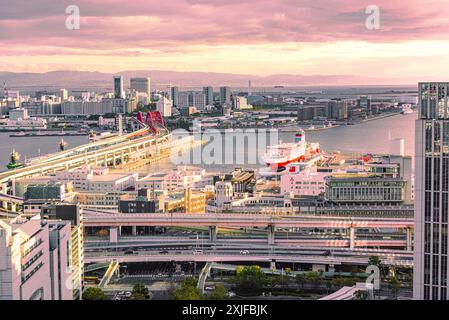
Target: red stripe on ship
[(283, 164)]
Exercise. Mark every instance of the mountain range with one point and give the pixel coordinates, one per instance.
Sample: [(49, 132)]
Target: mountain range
[(160, 79)]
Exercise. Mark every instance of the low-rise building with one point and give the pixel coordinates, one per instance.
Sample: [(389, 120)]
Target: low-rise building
[(357, 189), (305, 183)]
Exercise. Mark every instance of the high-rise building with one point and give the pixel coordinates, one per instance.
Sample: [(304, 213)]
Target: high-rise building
[(164, 105), (184, 100), (337, 109), (198, 100), (71, 213), (225, 95), (174, 91), (64, 94), (34, 262), (364, 102), (430, 274), (209, 93), (119, 93), (141, 85)]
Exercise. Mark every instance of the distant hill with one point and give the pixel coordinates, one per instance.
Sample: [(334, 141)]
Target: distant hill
[(160, 79)]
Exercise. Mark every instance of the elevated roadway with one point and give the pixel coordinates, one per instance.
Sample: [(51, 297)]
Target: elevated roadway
[(108, 219), (187, 256)]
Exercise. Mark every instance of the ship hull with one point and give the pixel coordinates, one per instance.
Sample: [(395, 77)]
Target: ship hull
[(283, 164)]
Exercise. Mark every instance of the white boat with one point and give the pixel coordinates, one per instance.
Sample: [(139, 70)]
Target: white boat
[(279, 156)]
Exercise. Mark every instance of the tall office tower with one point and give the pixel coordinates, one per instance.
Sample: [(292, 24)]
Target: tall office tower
[(71, 213), (431, 271), (119, 93), (174, 92), (209, 93), (249, 88), (141, 85), (184, 100), (198, 100), (64, 94), (225, 95)]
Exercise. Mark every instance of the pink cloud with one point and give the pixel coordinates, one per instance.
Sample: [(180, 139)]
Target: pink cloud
[(119, 24)]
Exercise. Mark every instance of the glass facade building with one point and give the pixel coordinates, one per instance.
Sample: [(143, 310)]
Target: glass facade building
[(431, 193)]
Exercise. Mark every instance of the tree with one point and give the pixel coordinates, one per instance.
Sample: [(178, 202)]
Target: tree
[(409, 279), (394, 287), (314, 278), (250, 279), (93, 293), (187, 291), (219, 293), (361, 295), (300, 279), (140, 292), (375, 261)]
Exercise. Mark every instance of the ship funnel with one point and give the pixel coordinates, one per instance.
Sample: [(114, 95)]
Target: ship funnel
[(300, 136)]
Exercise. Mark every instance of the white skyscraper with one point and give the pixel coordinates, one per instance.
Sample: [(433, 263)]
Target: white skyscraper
[(164, 105)]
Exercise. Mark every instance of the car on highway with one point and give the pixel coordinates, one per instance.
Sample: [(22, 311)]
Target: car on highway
[(163, 252), (130, 252), (244, 252), (197, 252)]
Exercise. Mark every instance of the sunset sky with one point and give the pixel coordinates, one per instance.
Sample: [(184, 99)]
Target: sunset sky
[(260, 37)]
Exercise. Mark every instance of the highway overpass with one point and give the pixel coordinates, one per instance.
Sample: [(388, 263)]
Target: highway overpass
[(118, 149), (114, 221), (208, 256)]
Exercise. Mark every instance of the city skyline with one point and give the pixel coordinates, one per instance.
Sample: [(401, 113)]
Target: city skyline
[(236, 150), (259, 38)]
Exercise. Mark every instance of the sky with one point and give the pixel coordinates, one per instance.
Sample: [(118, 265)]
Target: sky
[(259, 37)]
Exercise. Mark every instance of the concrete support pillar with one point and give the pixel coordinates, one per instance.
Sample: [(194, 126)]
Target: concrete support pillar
[(272, 265), (212, 233), (5, 205), (271, 240), (409, 239), (331, 268), (113, 234), (122, 157), (134, 230), (13, 207), (351, 238)]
